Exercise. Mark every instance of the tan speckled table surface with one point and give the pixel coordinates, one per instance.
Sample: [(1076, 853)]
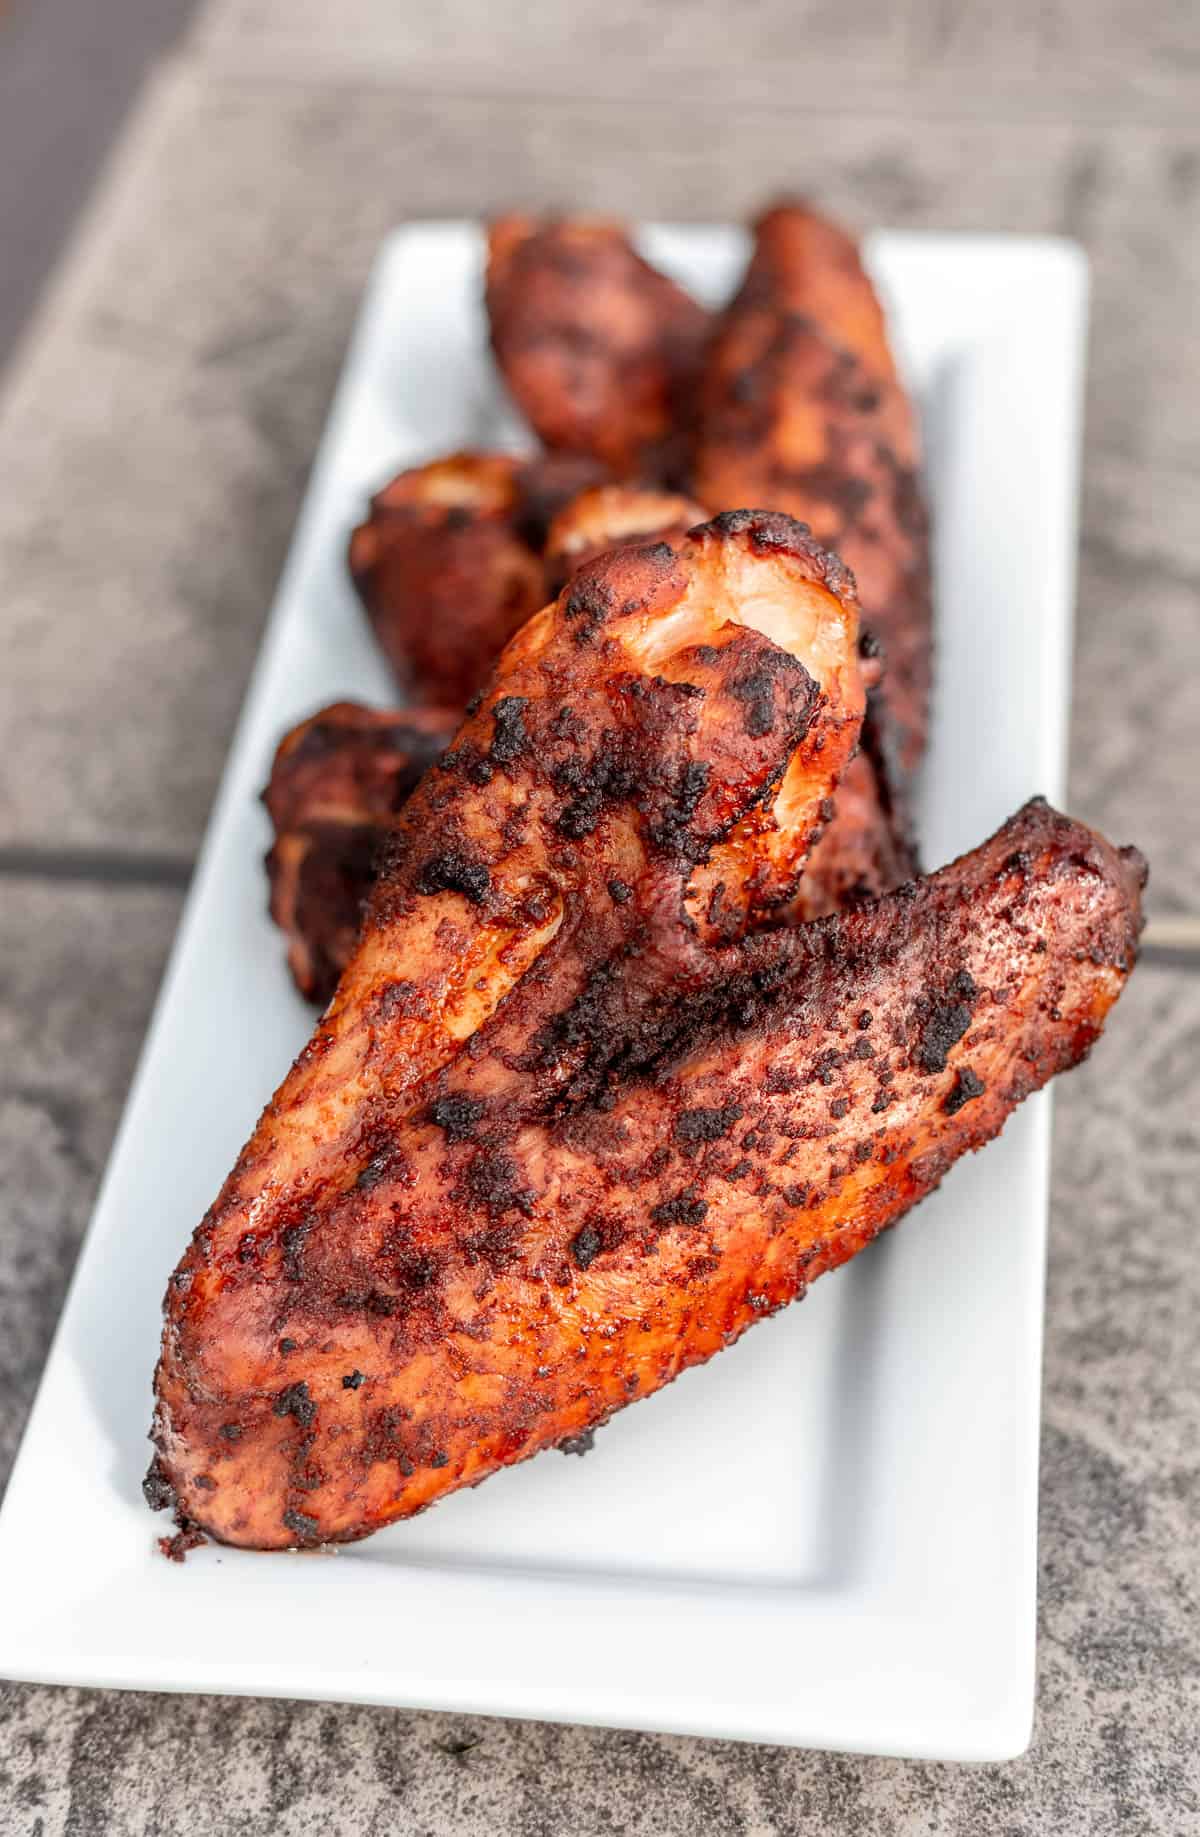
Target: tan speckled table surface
[(156, 424)]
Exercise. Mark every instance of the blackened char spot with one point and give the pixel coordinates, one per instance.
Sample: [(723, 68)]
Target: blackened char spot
[(684, 1209), (942, 1028), (498, 1247), (672, 831), (352, 1380), (493, 1178), (296, 1402), (611, 775), (416, 1269), (387, 1162), (704, 1125), (188, 1537), (511, 739), (230, 1431), (400, 999), (582, 1024), (586, 1246), (944, 1022), (754, 687), (292, 1243), (157, 1490), (587, 606), (457, 1114), (455, 872), (387, 1438), (967, 1084), (580, 819), (302, 1525)]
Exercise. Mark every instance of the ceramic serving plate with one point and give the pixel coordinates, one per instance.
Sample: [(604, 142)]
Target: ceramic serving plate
[(828, 1535)]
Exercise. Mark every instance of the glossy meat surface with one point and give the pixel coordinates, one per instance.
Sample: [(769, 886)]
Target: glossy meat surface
[(599, 350), (463, 1280), (336, 783)]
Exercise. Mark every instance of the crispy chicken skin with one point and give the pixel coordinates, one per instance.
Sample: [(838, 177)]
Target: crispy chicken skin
[(337, 781), (801, 409), (613, 516), (463, 1283), (599, 350)]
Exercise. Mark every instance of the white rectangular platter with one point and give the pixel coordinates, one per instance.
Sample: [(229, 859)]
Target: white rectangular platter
[(828, 1535)]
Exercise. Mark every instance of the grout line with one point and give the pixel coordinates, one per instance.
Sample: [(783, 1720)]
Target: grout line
[(1170, 942), (1173, 932), (94, 61), (883, 99), (96, 867), (1166, 957)]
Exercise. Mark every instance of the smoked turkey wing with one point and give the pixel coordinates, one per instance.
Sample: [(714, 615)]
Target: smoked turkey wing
[(599, 350), (783, 423), (806, 263), (448, 562), (484, 1281), (538, 874), (445, 572), (322, 875), (801, 408), (336, 783), (340, 777), (612, 516)]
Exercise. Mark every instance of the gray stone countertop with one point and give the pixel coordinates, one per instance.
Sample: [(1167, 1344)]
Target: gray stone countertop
[(155, 430)]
